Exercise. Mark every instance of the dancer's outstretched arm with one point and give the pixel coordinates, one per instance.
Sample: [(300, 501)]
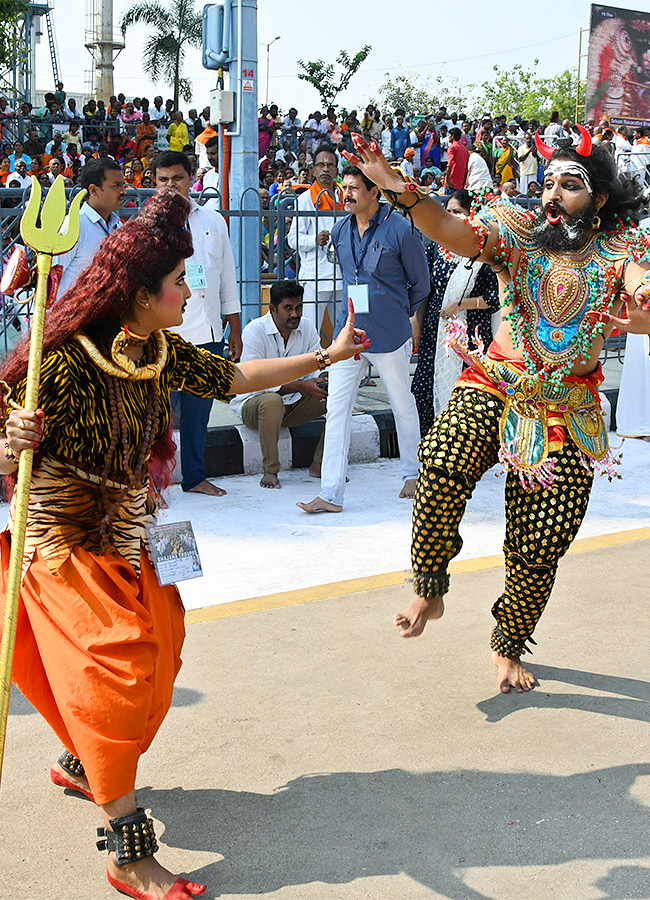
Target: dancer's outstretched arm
[(428, 215)]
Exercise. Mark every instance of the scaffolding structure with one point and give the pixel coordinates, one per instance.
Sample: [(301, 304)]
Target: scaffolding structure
[(104, 42), (20, 80)]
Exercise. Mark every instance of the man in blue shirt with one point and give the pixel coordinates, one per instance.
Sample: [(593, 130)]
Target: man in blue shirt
[(400, 139), (104, 181), (385, 273)]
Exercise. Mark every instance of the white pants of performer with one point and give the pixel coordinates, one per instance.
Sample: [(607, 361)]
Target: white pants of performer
[(633, 407), (314, 304), (343, 386), (524, 182)]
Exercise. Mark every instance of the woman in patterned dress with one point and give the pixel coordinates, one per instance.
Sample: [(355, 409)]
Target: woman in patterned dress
[(98, 638)]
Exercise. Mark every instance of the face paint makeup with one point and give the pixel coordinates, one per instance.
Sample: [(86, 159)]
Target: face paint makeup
[(562, 168)]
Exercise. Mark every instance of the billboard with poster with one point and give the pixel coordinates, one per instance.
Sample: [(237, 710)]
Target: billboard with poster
[(618, 73)]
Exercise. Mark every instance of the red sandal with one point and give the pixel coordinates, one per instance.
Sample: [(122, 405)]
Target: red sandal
[(73, 766), (132, 838), (181, 889)]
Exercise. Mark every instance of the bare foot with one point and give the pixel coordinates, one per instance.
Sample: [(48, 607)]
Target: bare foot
[(64, 779), (318, 505), (206, 487), (408, 491), (150, 878), (270, 480), (511, 674), (315, 470), (411, 623)]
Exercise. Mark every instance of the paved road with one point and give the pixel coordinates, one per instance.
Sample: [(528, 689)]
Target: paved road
[(313, 754)]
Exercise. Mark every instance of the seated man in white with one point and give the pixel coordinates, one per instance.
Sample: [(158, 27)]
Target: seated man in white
[(281, 332)]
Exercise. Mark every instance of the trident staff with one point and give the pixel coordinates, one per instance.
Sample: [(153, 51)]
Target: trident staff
[(46, 239)]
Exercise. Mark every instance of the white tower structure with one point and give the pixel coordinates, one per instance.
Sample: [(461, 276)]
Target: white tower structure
[(104, 42)]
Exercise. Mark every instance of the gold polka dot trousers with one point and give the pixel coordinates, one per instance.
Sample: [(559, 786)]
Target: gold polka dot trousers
[(540, 525)]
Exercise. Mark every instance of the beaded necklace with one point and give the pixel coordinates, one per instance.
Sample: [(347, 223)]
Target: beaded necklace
[(120, 434), (551, 292)]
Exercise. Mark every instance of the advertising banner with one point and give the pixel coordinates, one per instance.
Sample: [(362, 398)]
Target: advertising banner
[(618, 74)]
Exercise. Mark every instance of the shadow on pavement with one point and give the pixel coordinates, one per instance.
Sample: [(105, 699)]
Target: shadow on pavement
[(637, 708), (338, 827)]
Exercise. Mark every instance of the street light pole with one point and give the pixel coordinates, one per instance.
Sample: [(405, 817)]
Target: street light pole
[(268, 55)]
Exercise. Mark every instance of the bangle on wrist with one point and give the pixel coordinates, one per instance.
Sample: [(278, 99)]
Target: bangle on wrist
[(9, 453), (478, 300), (323, 359)]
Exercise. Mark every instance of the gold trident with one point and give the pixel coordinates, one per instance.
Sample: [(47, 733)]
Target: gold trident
[(46, 239)]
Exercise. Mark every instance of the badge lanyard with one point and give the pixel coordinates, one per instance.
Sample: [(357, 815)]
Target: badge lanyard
[(368, 236)]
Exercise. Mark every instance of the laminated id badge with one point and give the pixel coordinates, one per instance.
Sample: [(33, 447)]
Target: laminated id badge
[(358, 293), (195, 276), (174, 552)]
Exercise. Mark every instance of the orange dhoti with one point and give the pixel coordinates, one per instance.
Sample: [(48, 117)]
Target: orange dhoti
[(97, 652)]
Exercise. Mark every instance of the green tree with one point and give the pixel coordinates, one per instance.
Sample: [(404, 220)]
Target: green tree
[(406, 91), (326, 80), (11, 12), (561, 92), (518, 91), (417, 95), (176, 27)]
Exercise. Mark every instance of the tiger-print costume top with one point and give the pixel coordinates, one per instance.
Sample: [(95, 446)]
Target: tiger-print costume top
[(74, 397), (65, 505)]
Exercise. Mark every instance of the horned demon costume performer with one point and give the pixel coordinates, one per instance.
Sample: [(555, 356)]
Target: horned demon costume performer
[(98, 638), (531, 400)]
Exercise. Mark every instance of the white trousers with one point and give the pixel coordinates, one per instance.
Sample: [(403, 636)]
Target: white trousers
[(314, 304), (344, 380), (524, 182)]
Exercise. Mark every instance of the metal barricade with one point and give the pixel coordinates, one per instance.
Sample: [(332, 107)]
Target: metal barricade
[(286, 234)]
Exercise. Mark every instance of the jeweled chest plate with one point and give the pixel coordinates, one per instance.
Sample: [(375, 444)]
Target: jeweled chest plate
[(554, 292)]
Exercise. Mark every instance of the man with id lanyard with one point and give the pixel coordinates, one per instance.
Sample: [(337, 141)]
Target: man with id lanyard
[(386, 276), (212, 280)]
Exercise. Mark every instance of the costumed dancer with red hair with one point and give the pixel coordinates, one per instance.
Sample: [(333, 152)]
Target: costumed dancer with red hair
[(530, 401), (98, 638)]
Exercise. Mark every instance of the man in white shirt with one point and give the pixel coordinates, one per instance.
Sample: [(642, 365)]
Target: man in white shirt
[(19, 177), (315, 131), (478, 172), (210, 275), (554, 129), (527, 156), (104, 181), (291, 128), (211, 177), (157, 112), (282, 332), (310, 236)]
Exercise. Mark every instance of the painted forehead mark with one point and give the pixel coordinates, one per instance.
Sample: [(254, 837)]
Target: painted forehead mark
[(574, 169)]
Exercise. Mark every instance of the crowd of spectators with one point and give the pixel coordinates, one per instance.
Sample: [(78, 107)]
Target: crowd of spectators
[(443, 152), (59, 137)]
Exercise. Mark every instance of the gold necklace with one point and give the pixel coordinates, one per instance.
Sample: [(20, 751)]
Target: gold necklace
[(120, 366)]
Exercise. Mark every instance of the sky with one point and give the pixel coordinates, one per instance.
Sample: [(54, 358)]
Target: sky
[(463, 42)]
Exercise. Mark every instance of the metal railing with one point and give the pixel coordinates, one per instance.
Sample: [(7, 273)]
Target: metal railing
[(285, 233)]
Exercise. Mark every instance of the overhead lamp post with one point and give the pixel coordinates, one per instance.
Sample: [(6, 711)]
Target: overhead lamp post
[(268, 48)]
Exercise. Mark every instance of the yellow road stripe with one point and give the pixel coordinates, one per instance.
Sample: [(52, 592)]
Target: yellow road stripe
[(389, 579)]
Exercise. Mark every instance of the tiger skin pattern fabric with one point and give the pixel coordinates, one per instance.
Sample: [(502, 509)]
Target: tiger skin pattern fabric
[(65, 505), (74, 397)]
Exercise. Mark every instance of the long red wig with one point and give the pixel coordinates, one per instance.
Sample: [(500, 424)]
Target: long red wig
[(140, 253)]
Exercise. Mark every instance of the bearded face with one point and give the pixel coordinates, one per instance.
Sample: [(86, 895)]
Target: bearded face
[(559, 231)]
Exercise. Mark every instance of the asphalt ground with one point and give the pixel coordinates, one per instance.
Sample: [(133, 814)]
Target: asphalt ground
[(311, 753)]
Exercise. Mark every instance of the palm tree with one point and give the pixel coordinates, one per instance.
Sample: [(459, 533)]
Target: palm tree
[(177, 26)]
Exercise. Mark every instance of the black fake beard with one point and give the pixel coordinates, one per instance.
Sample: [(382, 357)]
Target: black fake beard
[(565, 237)]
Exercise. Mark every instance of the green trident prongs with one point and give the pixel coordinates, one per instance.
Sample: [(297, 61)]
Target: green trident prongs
[(48, 238), (48, 241)]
